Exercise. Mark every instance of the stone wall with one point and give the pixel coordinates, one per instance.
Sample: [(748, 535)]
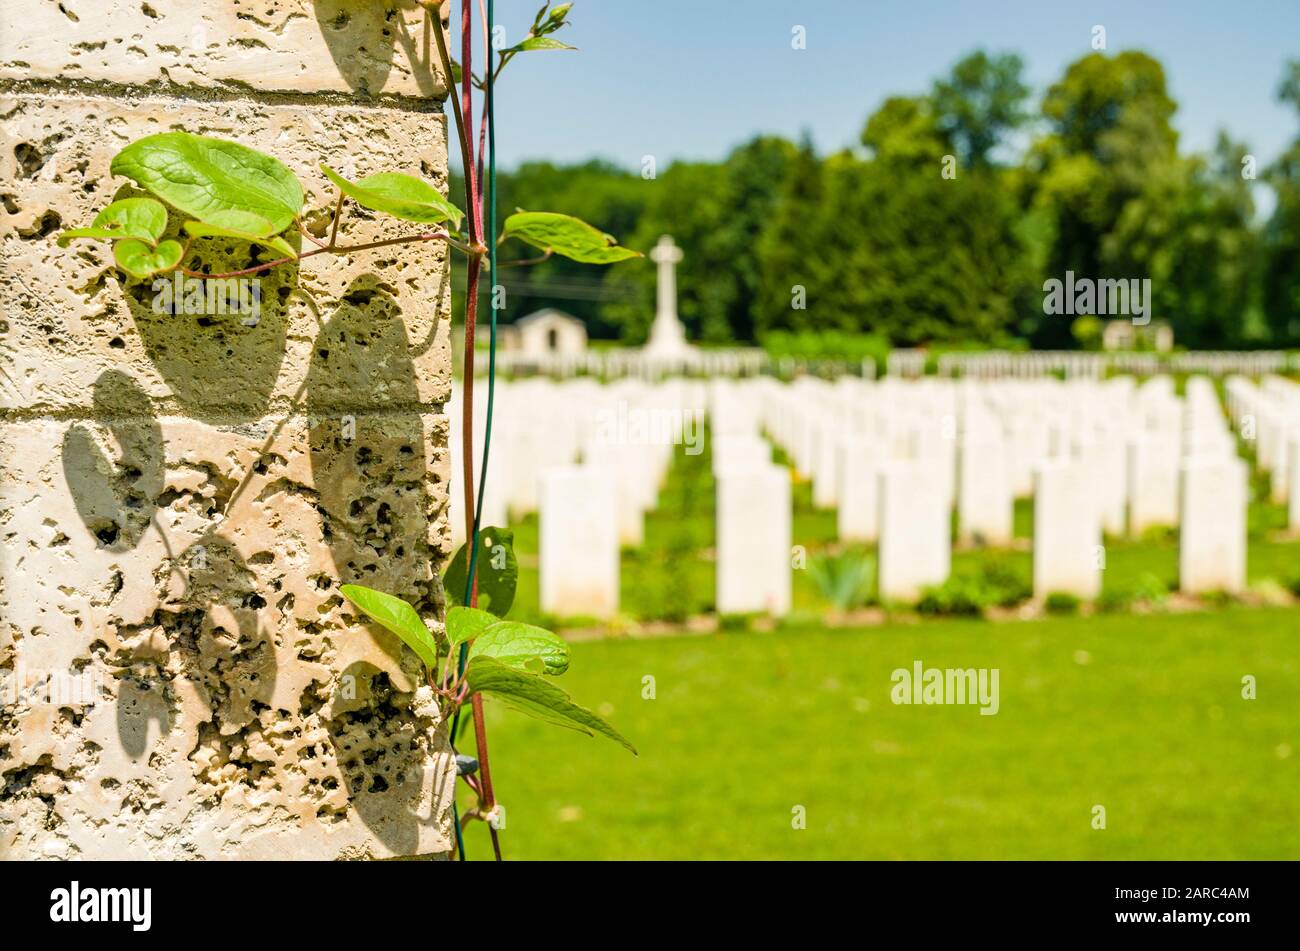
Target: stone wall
[(182, 495)]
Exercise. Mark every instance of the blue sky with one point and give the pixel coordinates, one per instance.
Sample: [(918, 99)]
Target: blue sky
[(694, 78)]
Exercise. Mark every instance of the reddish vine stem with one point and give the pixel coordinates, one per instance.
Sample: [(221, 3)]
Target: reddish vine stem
[(484, 770), (463, 116)]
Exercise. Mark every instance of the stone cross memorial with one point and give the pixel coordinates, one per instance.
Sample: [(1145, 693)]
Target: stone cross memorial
[(667, 335)]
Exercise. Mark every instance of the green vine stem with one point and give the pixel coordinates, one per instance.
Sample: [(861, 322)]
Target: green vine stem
[(463, 117), (332, 249)]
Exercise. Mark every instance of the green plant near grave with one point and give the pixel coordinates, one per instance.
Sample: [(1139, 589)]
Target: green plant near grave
[(970, 591), (845, 580), (1061, 603), (1152, 589), (216, 189), (1114, 601), (959, 596)]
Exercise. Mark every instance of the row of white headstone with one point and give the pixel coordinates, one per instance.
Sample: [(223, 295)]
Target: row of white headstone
[(894, 458), (1270, 414), (589, 459), (1073, 363)]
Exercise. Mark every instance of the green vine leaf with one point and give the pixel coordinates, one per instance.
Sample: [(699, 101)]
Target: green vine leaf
[(399, 195), (497, 570), (141, 218), (203, 229), (539, 43), (522, 646), (140, 260), (567, 236), (464, 624), (397, 616), (218, 182), (529, 693)]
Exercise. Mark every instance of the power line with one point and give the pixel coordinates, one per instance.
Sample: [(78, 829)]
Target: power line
[(565, 290)]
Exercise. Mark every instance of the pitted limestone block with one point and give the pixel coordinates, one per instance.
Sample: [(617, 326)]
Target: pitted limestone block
[(70, 318), (362, 47), (186, 575)]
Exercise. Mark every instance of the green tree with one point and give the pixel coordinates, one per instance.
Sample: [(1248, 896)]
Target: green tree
[(912, 256), (1110, 137), (609, 197), (788, 255), (979, 103), (717, 214), (906, 129), (1280, 284), (1189, 230)]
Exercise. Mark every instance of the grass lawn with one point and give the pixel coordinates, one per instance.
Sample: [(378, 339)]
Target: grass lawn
[(1139, 713), (1142, 715)]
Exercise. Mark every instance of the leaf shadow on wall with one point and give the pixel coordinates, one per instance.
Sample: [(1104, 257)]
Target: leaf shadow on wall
[(217, 360), (371, 474), (362, 40), (213, 627), (142, 700), (115, 497)]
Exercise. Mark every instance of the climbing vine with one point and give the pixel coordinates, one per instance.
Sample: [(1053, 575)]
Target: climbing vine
[(226, 190)]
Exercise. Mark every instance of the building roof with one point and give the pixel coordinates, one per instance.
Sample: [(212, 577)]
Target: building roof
[(547, 313)]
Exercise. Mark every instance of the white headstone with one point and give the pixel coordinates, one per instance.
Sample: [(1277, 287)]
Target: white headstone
[(825, 466), (739, 452), (857, 518), (1293, 459), (1280, 478), (934, 442), (1068, 555), (1154, 458), (1030, 443), (753, 540), (627, 469), (525, 451), (1212, 537), (578, 548), (494, 498), (985, 507), (732, 412), (915, 532), (1107, 458)]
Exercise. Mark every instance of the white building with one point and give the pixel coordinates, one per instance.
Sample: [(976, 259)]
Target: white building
[(547, 332)]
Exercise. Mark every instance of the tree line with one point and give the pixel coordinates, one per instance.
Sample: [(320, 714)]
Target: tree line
[(941, 228)]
